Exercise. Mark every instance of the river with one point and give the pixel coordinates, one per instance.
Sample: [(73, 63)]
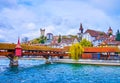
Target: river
[(36, 71)]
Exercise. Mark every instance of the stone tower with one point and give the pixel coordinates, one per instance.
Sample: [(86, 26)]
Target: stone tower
[(42, 32)]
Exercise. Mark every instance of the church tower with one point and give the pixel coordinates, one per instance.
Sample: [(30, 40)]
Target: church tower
[(80, 34), (81, 28), (42, 32), (110, 31)]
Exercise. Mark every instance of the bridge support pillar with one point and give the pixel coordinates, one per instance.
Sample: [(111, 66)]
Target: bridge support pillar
[(14, 61), (47, 61)]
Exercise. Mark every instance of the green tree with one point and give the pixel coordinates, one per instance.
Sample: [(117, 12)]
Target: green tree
[(35, 41), (59, 39), (75, 51), (109, 34), (117, 36), (86, 43), (42, 39), (25, 39)]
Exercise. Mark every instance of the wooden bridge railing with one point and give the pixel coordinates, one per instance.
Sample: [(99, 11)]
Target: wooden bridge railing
[(6, 53)]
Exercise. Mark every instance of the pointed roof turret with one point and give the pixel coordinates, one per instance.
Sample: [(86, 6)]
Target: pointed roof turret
[(18, 40), (110, 29), (18, 44), (81, 28)]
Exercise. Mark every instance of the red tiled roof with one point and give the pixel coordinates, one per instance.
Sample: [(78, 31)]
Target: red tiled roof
[(68, 40), (107, 42), (94, 33)]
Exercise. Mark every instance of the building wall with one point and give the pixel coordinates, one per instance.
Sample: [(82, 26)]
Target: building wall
[(87, 56), (49, 36), (88, 37)]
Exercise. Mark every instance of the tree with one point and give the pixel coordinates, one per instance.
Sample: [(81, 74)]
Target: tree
[(59, 39), (117, 36), (25, 39), (86, 43), (109, 34), (42, 39), (35, 41), (75, 51)]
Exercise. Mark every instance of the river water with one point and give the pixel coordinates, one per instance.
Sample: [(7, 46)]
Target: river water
[(35, 71)]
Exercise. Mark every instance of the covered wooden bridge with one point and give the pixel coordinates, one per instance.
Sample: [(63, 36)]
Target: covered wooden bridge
[(13, 51), (107, 53), (30, 50)]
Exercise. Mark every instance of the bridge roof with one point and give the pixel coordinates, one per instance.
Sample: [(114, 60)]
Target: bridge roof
[(7, 46), (101, 49), (97, 49)]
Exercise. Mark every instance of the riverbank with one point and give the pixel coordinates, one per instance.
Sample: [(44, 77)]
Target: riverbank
[(91, 62)]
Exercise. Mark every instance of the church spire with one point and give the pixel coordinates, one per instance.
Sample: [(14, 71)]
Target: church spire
[(81, 28), (18, 43), (18, 40), (110, 31)]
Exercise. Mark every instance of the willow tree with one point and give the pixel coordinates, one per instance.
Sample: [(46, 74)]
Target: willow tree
[(76, 51)]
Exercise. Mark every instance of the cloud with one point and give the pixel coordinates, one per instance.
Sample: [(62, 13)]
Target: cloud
[(108, 6), (2, 40), (8, 3), (1, 36), (29, 26), (26, 17), (72, 31), (31, 35), (6, 26), (49, 29)]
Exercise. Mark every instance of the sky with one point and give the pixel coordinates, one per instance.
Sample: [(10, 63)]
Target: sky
[(24, 18)]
